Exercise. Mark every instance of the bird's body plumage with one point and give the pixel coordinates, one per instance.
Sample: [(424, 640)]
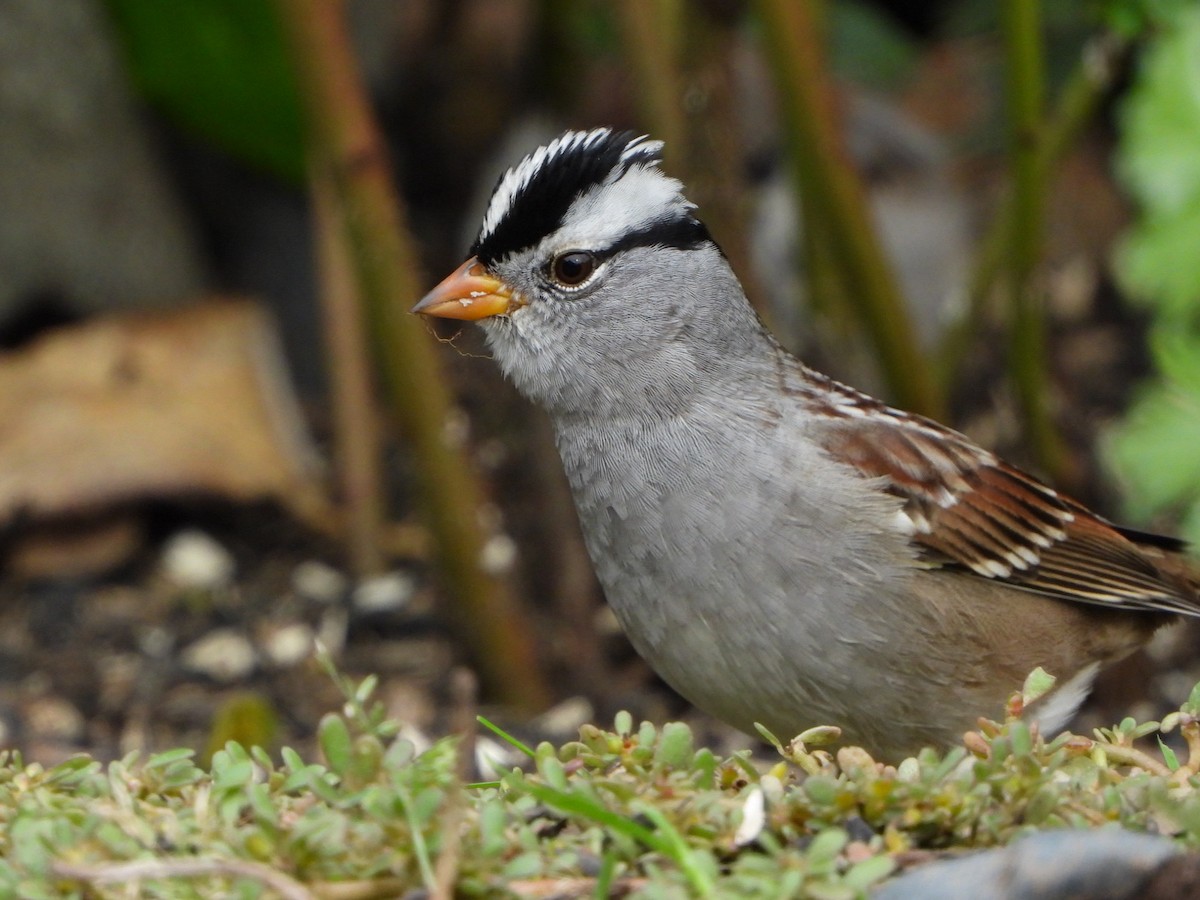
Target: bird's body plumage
[(781, 548)]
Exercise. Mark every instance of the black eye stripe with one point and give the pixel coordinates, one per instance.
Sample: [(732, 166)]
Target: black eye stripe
[(683, 233)]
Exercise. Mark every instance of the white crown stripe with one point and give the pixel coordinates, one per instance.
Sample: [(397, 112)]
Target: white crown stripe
[(641, 148), (518, 177)]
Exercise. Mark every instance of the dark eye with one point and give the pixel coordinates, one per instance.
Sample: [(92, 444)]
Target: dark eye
[(572, 268)]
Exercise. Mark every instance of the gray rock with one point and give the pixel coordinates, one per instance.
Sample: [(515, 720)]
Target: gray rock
[(89, 216), (1106, 864)]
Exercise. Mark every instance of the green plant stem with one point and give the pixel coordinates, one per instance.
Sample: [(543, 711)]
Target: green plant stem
[(1025, 91), (826, 290), (681, 64), (652, 35), (357, 459), (1080, 97), (1131, 756), (345, 141), (837, 203)]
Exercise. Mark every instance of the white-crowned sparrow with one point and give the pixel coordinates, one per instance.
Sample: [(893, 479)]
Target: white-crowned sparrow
[(780, 547)]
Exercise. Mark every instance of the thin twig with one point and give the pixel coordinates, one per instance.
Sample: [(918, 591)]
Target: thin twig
[(1131, 756), (142, 870), (537, 888), (450, 825), (1191, 734), (464, 703), (385, 888)]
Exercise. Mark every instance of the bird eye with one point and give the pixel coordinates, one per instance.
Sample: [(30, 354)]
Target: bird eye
[(572, 268)]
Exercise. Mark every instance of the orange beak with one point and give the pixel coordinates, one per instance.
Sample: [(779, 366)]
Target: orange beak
[(469, 293)]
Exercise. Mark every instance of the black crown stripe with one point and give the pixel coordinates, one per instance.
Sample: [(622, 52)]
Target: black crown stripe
[(541, 204)]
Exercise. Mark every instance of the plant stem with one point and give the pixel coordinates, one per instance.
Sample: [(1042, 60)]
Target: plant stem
[(1025, 91), (652, 35), (355, 425), (1077, 103), (837, 203), (681, 63), (345, 140)]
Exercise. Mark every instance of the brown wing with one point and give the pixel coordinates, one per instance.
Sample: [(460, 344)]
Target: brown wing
[(970, 509)]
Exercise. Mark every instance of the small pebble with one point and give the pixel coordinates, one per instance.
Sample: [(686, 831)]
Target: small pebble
[(418, 738), (409, 702), (773, 790), (499, 554), (156, 641), (331, 631), (383, 593), (53, 718), (193, 559), (456, 427), (494, 760), (117, 680), (288, 645), (565, 718), (319, 582), (857, 851), (491, 454), (423, 656), (223, 655)]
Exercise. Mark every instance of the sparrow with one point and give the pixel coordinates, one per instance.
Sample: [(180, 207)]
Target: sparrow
[(781, 548)]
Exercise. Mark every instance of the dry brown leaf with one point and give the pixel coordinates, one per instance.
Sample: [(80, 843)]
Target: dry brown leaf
[(151, 405)]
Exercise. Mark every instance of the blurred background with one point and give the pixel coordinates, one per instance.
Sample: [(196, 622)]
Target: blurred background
[(225, 441)]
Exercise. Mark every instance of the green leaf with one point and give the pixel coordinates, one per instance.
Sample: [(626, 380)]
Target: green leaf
[(1158, 263), (868, 47), (1038, 683), (827, 845), (1168, 756), (1020, 738), (493, 820), (1161, 121), (219, 69), (1154, 450), (1192, 706), (1189, 525), (697, 865), (623, 723), (505, 736), (552, 770), (246, 718), (1177, 353), (675, 746), (75, 769), (863, 874), (1132, 19), (769, 736), (578, 804), (366, 759), (333, 735)]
